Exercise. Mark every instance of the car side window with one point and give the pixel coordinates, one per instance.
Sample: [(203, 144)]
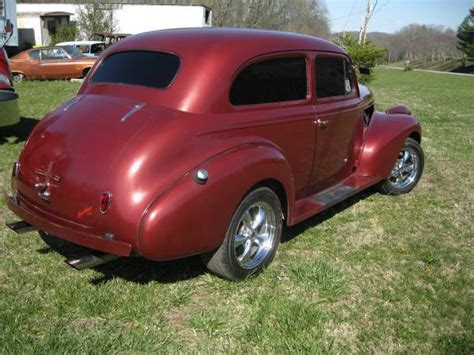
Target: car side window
[(52, 53), (34, 55), (333, 77), (83, 48), (97, 48), (271, 80)]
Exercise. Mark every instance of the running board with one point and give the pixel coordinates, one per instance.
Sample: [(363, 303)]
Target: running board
[(21, 227), (90, 261), (334, 195), (314, 204)]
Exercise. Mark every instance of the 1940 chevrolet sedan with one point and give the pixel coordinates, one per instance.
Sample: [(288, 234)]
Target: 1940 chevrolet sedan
[(207, 141)]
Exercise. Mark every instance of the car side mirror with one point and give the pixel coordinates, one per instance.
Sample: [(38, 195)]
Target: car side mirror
[(364, 71)]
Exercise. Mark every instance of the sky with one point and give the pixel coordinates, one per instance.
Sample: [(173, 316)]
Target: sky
[(391, 15)]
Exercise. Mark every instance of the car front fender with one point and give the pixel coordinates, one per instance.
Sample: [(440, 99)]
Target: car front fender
[(190, 218), (383, 141)]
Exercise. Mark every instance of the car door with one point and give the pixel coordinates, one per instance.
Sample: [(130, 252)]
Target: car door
[(30, 65), (271, 98), (55, 63), (338, 121)]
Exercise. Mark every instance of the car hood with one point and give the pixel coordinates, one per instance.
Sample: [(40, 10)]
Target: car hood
[(74, 149)]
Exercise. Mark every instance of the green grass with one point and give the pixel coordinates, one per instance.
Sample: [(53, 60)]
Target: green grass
[(375, 274)]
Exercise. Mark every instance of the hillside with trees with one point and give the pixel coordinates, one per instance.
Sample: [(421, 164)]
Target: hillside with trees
[(422, 46)]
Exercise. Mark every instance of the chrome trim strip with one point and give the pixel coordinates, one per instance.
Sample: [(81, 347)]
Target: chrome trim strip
[(134, 110)]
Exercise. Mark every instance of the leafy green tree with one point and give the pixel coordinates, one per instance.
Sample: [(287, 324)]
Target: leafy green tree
[(95, 16), (466, 36), (65, 34), (363, 55)]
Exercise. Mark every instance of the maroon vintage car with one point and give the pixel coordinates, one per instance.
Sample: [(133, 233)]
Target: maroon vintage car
[(207, 141)]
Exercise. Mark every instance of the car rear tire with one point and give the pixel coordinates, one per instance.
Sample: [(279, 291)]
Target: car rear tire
[(407, 170), (252, 237), (85, 72), (18, 77)]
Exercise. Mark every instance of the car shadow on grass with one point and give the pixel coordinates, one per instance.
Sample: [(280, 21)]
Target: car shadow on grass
[(142, 271), (133, 269), (21, 131), (290, 233)]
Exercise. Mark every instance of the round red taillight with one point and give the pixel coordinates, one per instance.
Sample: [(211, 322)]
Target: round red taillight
[(105, 201)]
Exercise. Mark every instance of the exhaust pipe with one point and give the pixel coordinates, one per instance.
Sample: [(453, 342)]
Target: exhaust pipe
[(90, 261), (21, 227)]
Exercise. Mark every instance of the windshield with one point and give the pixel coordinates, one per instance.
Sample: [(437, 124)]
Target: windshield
[(73, 51), (144, 68)]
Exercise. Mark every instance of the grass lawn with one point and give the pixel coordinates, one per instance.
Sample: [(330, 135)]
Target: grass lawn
[(375, 274)]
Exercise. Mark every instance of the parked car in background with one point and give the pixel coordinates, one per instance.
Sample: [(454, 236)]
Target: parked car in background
[(9, 113), (87, 48), (49, 63), (208, 141), (108, 38)]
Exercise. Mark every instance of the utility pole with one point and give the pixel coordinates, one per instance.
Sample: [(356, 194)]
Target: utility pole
[(365, 22)]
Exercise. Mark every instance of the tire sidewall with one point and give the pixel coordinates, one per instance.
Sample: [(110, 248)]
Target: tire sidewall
[(260, 194)]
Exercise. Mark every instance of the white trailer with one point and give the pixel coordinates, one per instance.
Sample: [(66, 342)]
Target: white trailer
[(8, 15)]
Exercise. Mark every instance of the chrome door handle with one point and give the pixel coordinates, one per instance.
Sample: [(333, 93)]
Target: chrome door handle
[(321, 124)]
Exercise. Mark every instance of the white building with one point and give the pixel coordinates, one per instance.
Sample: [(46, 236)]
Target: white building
[(38, 20)]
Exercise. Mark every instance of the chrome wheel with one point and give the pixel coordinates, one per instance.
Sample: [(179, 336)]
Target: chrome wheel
[(17, 78), (255, 235), (405, 171)]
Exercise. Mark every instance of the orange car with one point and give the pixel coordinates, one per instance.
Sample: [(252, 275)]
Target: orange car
[(49, 63)]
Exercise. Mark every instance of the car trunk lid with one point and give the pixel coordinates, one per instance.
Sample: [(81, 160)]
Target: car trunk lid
[(68, 157)]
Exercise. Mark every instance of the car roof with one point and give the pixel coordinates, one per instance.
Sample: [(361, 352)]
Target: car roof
[(231, 41), (79, 42)]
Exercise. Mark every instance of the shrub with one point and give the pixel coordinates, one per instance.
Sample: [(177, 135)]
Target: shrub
[(363, 55), (65, 34)]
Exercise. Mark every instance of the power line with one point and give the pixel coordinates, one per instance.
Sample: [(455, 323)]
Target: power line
[(345, 17), (348, 17)]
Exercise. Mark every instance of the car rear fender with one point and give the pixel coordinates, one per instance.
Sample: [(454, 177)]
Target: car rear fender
[(383, 140), (190, 218)]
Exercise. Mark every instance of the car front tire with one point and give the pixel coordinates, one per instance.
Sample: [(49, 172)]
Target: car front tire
[(252, 237), (407, 170)]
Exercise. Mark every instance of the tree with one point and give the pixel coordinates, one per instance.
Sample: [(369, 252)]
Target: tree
[(363, 55), (302, 16), (466, 36), (95, 17), (65, 34), (420, 43)]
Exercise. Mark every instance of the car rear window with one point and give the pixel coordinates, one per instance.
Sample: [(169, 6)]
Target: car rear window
[(144, 68), (271, 80)]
